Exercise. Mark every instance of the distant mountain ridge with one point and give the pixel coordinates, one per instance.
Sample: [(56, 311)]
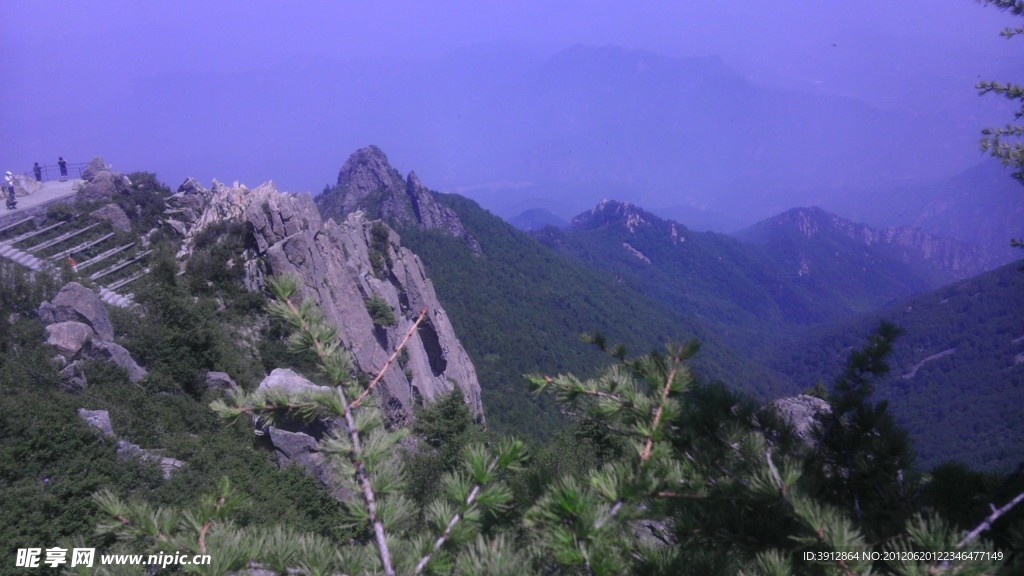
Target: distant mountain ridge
[(800, 290), (940, 260), (982, 206), (803, 268), (592, 122)]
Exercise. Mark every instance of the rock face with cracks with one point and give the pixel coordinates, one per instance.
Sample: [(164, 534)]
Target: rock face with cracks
[(342, 266)]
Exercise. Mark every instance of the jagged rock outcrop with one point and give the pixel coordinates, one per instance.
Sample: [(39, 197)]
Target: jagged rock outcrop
[(96, 165), (77, 324), (802, 413), (101, 183), (341, 266), (367, 182), (100, 419)]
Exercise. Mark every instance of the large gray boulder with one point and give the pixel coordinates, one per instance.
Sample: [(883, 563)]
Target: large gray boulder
[(115, 215), (69, 337), (99, 419), (78, 325), (77, 303), (220, 382), (289, 382), (302, 450), (286, 381), (803, 414), (115, 353)]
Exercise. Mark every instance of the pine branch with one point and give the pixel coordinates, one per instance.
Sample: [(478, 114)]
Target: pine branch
[(207, 525), (609, 516), (987, 523), (448, 529), (646, 454), (364, 483), (312, 333)]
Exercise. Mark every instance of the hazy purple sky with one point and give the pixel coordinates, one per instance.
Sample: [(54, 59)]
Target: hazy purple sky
[(78, 76)]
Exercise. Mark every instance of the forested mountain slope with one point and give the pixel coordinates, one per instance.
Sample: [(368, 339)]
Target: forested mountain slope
[(521, 307), (957, 378)]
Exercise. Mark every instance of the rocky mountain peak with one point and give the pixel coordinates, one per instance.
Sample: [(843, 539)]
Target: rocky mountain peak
[(613, 212), (365, 172), (367, 182), (343, 266)]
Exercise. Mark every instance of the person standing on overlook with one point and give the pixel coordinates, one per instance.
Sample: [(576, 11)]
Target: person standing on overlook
[(12, 200), (63, 168), (38, 171)]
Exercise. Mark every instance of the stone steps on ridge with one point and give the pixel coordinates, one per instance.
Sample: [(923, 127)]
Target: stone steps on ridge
[(23, 258)]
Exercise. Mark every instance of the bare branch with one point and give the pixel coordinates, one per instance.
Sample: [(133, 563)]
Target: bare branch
[(775, 472), (987, 523), (394, 355)]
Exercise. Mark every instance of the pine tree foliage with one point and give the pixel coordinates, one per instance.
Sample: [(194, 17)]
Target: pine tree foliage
[(1005, 142), (695, 482)]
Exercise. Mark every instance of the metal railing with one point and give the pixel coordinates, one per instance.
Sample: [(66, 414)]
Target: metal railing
[(52, 171)]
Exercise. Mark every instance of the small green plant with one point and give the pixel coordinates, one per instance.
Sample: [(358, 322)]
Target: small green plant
[(60, 212), (379, 238), (380, 311)]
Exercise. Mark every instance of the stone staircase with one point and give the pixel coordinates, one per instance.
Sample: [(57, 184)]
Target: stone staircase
[(46, 248)]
